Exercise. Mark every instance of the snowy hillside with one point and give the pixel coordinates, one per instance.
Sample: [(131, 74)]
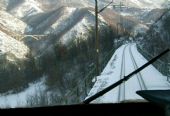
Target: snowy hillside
[(56, 38), (21, 99), (26, 9), (149, 4), (166, 4), (162, 24), (12, 46), (157, 37), (15, 25), (74, 23), (67, 13)]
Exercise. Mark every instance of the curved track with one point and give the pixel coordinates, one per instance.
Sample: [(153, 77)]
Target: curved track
[(128, 61), (122, 92), (139, 75), (121, 95)]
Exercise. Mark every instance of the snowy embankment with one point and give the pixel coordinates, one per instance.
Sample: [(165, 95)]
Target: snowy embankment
[(20, 99), (151, 79)]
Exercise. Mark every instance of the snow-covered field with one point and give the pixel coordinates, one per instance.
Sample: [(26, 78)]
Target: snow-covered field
[(20, 99), (152, 78)]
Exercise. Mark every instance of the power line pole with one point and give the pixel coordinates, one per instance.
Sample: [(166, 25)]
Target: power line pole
[(97, 46), (97, 39)]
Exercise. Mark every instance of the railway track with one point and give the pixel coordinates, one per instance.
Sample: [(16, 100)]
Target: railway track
[(122, 87), (128, 81), (121, 94), (139, 75)]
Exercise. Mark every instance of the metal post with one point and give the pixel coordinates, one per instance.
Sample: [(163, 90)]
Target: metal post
[(97, 46), (97, 40)]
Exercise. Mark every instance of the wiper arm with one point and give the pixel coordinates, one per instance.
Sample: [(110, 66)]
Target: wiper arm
[(88, 100)]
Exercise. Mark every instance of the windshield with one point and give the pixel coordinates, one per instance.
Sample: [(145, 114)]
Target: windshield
[(62, 52)]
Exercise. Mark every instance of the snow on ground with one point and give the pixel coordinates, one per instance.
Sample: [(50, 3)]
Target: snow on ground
[(27, 8), (153, 79), (148, 3), (109, 76), (3, 4), (132, 85), (151, 4), (19, 99), (82, 19), (10, 45), (125, 14), (61, 22), (79, 30), (15, 24)]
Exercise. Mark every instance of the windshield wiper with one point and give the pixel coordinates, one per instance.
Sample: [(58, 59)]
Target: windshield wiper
[(88, 100)]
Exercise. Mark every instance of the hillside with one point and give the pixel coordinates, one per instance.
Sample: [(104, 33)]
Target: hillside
[(59, 55), (159, 31), (11, 26), (156, 40)]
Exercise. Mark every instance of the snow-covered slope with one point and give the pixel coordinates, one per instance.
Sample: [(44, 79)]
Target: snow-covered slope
[(74, 23), (90, 3), (14, 25), (3, 4), (12, 46), (160, 28), (160, 25), (20, 99), (166, 4), (157, 38), (80, 30), (147, 3), (67, 12), (26, 9), (53, 4), (67, 23)]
